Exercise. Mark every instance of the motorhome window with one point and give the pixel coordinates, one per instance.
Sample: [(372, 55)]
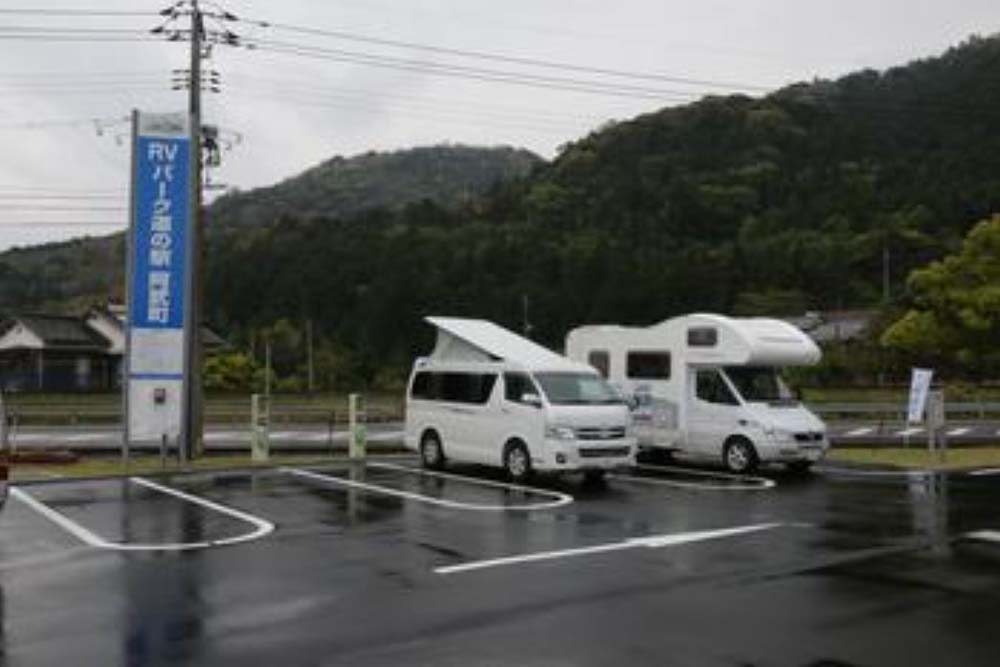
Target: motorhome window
[(601, 361), (577, 389), (466, 387), (703, 337), (711, 388), (516, 385), (648, 365), (758, 384)]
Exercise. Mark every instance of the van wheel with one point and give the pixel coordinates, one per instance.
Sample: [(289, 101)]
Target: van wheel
[(739, 456), (517, 462), (431, 452)]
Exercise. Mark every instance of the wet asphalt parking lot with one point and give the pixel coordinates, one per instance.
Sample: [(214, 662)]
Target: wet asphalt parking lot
[(380, 564)]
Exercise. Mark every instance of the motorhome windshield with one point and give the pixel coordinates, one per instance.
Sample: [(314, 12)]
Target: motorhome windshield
[(576, 389), (759, 385)]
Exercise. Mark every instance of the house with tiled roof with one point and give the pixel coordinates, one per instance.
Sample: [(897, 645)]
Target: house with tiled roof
[(55, 353), (61, 353)]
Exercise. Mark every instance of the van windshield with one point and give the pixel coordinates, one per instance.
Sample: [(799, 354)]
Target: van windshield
[(576, 389), (759, 385)]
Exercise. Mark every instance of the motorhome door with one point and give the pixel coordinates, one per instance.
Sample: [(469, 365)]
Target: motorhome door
[(713, 412)]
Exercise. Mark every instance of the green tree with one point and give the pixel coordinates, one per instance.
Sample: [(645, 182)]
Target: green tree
[(956, 314)]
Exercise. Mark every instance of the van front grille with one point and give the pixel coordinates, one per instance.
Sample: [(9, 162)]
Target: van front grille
[(602, 452), (811, 436), (609, 433)]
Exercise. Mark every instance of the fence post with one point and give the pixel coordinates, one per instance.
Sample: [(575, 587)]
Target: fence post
[(356, 419)]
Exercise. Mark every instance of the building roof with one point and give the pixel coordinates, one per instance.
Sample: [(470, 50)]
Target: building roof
[(115, 316), (59, 332), (462, 339)]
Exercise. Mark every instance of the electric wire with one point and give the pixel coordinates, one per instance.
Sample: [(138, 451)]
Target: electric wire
[(505, 58)]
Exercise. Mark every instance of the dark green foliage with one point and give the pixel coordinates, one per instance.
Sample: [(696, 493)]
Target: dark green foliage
[(731, 204), (342, 187)]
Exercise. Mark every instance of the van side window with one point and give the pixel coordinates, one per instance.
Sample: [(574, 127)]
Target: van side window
[(703, 337), (467, 387), (601, 361), (710, 387), (648, 365), (422, 388), (516, 385), (455, 387)]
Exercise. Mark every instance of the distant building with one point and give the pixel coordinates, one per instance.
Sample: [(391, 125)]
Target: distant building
[(61, 353), (835, 326)]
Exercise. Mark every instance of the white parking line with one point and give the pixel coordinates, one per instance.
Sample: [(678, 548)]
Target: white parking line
[(913, 430), (985, 535), (262, 527), (961, 430), (744, 482), (652, 542), (851, 472), (864, 430), (560, 498), (985, 472)]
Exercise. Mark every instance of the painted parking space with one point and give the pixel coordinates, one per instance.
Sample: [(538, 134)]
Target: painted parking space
[(692, 479), (138, 514), (441, 489)]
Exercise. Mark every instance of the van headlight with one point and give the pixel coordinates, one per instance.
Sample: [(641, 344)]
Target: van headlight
[(559, 432)]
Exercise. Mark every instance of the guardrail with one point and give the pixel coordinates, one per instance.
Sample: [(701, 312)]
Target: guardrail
[(966, 409), (234, 414)]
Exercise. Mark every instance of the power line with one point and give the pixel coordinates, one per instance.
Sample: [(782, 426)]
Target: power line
[(473, 74), (51, 197), (72, 30), (504, 58), (47, 207), (29, 224), (49, 11)]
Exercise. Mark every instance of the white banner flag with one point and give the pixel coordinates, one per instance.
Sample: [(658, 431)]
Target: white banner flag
[(920, 384)]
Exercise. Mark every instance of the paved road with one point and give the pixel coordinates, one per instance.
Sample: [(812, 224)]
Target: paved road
[(374, 565), (318, 436)]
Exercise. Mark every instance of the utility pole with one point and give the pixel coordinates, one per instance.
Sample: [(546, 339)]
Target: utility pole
[(193, 422), (524, 314), (309, 345), (885, 272)]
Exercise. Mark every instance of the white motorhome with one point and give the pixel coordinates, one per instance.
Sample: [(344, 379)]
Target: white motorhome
[(486, 395), (708, 387)]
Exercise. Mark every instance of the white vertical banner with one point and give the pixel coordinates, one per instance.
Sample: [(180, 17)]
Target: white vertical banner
[(920, 384), (158, 266)]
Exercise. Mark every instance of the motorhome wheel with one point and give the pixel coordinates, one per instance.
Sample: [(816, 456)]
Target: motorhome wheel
[(740, 456)]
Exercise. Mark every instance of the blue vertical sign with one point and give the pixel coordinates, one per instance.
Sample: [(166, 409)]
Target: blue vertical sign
[(158, 282), (160, 234)]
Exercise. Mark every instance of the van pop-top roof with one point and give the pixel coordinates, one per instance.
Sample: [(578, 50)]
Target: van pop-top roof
[(460, 339)]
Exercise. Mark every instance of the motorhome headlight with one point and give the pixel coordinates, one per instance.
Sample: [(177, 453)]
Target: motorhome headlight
[(557, 432)]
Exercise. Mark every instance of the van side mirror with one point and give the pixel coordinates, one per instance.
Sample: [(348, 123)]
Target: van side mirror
[(533, 400)]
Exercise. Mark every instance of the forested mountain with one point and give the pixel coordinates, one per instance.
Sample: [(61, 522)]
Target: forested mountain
[(804, 198), (820, 195), (62, 276), (341, 187)]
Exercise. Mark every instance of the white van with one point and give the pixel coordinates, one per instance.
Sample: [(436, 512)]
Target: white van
[(708, 387), (486, 395)]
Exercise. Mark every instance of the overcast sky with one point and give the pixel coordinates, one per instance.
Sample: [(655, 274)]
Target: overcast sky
[(285, 112)]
